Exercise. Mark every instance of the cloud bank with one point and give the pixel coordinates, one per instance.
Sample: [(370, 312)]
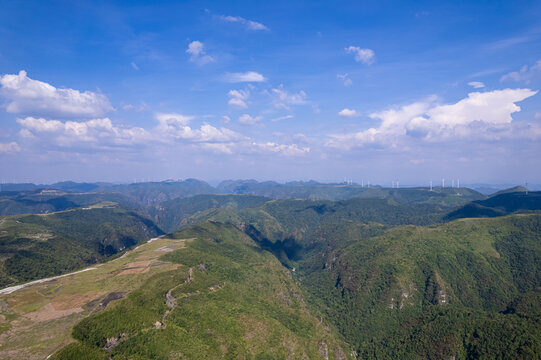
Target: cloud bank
[(37, 98), (485, 116)]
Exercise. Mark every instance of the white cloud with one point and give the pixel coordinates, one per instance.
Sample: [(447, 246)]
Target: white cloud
[(484, 116), (198, 54), (173, 119), (366, 56), (283, 149), (97, 132), (249, 120), (226, 119), (345, 78), (249, 76), (238, 98), (251, 25), (476, 84), (37, 98), (283, 98), (176, 126), (526, 73), (285, 117), (101, 133), (349, 113), (11, 147), (141, 107), (134, 66)]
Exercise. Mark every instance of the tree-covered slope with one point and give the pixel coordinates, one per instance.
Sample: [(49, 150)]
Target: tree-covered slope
[(171, 215), (227, 299), (37, 246), (450, 291), (324, 191), (503, 203), (297, 229), (45, 201), (150, 193)]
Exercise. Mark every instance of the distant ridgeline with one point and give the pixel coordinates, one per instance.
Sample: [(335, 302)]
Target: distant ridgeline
[(391, 273)]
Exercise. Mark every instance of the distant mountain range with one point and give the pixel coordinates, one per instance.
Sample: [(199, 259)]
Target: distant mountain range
[(341, 270)]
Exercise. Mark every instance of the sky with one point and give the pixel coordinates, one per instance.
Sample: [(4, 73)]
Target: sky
[(377, 91)]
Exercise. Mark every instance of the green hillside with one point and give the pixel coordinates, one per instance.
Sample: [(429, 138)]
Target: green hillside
[(171, 215), (47, 201), (37, 246), (228, 299), (313, 190), (150, 193), (446, 292), (502, 203)]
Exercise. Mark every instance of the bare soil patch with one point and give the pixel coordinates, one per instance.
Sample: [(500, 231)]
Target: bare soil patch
[(48, 312), (135, 268), (70, 301)]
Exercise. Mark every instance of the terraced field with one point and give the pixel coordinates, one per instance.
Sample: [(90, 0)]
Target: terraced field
[(35, 321)]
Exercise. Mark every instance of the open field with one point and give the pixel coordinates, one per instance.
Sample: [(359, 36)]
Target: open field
[(36, 320)]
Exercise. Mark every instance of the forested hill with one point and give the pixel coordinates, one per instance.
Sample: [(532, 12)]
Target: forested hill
[(500, 204), (152, 193), (466, 289), (45, 201), (226, 299), (171, 215), (38, 246)]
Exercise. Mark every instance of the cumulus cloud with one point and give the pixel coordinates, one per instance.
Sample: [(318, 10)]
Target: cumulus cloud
[(485, 115), (526, 73), (176, 126), (366, 56), (249, 24), (345, 79), (198, 54), (11, 147), (238, 98), (36, 98), (476, 84), (249, 120), (249, 76), (97, 132), (348, 113), (282, 98)]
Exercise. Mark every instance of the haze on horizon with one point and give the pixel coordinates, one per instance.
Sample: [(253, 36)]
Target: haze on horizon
[(115, 91)]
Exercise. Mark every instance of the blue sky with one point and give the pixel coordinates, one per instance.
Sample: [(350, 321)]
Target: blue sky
[(379, 91)]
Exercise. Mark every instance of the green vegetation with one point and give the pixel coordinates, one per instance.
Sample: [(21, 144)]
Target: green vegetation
[(37, 246), (230, 300), (47, 201), (313, 190), (171, 215), (418, 292), (502, 203), (386, 273)]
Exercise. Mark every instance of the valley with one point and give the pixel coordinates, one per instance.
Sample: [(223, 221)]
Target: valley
[(406, 273)]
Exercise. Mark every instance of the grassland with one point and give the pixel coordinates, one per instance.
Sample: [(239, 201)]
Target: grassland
[(37, 320)]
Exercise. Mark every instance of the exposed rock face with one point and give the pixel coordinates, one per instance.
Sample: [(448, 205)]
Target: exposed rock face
[(323, 349)]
